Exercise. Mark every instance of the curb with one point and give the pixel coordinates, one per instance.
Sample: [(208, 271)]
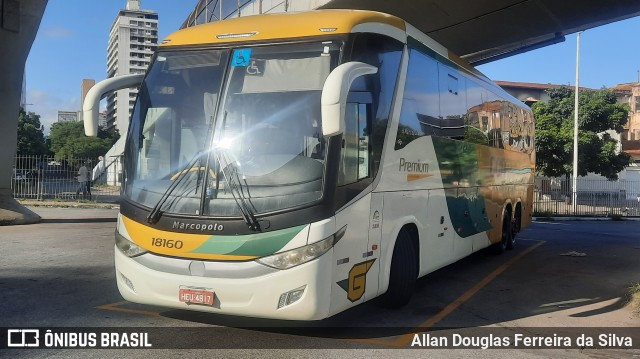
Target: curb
[(53, 204)]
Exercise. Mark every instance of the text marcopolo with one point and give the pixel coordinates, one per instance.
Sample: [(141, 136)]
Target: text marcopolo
[(204, 227)]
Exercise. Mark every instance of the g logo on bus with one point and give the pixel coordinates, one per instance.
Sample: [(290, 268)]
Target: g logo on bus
[(355, 285)]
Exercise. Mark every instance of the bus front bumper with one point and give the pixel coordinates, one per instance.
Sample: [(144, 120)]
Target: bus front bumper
[(252, 297)]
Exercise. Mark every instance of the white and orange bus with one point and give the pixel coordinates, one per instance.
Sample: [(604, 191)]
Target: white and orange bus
[(295, 165)]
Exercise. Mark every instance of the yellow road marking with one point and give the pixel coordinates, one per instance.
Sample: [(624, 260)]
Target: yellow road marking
[(117, 308), (406, 338)]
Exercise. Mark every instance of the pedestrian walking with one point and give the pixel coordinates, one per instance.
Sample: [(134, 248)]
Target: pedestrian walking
[(84, 183)]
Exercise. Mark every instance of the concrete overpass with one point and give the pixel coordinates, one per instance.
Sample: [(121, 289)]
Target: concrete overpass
[(19, 22), (480, 31)]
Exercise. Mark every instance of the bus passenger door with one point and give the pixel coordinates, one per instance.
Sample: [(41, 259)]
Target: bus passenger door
[(351, 277), (353, 263), (373, 248)]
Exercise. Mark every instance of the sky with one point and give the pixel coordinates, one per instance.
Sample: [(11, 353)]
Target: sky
[(71, 45)]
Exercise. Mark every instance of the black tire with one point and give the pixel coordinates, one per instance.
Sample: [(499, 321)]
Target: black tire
[(515, 228), (503, 245), (403, 274)]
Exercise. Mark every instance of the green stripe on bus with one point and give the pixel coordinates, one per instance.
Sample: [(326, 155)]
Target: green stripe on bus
[(458, 161), (259, 244)]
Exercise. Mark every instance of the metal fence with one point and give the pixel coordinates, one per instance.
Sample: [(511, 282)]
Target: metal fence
[(43, 178), (553, 196)]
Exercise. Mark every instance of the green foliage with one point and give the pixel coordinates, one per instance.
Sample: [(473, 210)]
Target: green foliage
[(474, 135), (598, 112), (405, 135), (545, 214), (69, 141), (31, 140)]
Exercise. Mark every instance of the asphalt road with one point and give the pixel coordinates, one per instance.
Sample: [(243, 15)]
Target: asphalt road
[(60, 273)]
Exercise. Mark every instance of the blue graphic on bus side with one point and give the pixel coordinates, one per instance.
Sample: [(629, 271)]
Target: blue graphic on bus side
[(241, 57)]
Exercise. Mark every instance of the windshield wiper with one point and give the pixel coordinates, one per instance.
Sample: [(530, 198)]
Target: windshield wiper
[(156, 212), (230, 173)]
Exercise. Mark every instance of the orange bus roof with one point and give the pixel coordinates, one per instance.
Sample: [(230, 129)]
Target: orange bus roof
[(279, 26)]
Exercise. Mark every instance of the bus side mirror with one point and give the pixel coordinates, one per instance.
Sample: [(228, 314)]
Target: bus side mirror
[(91, 105), (334, 95)]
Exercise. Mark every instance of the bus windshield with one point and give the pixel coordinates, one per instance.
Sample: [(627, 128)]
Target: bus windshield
[(214, 131)]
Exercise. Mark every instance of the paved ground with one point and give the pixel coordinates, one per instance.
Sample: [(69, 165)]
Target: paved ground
[(59, 273)]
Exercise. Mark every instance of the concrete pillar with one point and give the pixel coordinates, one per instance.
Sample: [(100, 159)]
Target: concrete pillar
[(19, 22)]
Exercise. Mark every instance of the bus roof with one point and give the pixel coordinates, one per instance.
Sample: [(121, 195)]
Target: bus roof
[(267, 27), (279, 26)]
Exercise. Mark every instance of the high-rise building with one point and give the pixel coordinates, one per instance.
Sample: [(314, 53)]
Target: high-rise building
[(87, 84), (68, 116), (102, 119), (132, 40)]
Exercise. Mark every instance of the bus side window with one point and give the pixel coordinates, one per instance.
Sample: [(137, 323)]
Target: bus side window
[(420, 115), (354, 158), (363, 142), (384, 53), (453, 98)]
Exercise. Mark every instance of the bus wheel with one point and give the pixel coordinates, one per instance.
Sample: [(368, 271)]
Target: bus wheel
[(403, 274), (507, 236)]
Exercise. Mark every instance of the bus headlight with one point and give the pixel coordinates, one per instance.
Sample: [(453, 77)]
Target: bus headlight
[(295, 257), (127, 247)]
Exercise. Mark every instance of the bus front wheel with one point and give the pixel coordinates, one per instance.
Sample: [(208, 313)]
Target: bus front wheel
[(403, 273)]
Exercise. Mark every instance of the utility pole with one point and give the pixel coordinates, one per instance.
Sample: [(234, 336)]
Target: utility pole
[(574, 189)]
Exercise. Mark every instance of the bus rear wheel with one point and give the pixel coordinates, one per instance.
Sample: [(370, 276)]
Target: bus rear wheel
[(403, 273), (515, 228), (506, 236)]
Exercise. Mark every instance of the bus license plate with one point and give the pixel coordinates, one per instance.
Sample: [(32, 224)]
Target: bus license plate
[(196, 296)]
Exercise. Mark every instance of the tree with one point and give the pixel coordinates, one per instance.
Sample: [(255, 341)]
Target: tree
[(69, 141), (31, 140), (597, 150)]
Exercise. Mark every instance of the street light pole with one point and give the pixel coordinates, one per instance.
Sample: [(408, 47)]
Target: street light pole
[(575, 132)]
